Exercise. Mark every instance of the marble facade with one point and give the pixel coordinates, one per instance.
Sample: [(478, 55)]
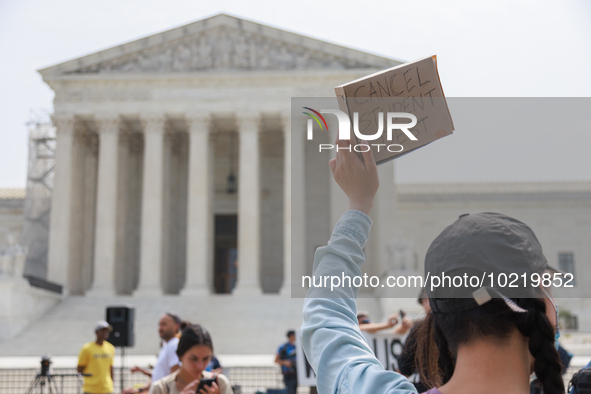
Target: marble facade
[(140, 171)]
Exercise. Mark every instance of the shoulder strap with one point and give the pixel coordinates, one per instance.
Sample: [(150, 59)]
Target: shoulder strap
[(284, 348)]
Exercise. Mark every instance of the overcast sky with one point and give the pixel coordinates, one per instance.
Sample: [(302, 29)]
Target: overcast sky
[(484, 48)]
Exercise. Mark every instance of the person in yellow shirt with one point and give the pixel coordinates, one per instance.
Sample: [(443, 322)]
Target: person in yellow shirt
[(96, 359)]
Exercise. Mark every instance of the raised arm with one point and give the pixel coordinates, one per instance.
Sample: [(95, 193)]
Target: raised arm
[(331, 338), (375, 327), (141, 370)]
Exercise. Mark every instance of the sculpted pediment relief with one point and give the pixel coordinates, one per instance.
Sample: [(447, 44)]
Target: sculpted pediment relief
[(222, 48)]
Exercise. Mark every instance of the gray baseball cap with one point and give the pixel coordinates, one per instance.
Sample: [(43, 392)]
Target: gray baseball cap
[(484, 245)]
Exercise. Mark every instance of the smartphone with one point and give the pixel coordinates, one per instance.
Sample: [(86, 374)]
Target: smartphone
[(402, 314), (203, 383)]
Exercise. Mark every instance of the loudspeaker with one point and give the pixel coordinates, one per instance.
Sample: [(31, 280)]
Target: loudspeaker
[(121, 319)]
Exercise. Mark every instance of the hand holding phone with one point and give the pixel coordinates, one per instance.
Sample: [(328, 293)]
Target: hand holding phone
[(204, 383)]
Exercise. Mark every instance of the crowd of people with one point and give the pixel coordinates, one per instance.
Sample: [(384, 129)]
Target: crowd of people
[(186, 363)]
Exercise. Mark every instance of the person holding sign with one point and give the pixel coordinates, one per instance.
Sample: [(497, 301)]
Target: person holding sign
[(497, 343), (331, 338)]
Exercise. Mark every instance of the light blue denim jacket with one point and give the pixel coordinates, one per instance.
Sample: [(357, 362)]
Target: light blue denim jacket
[(331, 338)]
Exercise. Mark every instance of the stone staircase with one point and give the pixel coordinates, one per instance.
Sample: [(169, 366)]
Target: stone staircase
[(242, 325), (238, 325)]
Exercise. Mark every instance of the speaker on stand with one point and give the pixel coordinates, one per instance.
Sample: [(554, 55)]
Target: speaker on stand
[(121, 318)]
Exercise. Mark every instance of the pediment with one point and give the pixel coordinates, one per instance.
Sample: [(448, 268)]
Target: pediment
[(220, 43)]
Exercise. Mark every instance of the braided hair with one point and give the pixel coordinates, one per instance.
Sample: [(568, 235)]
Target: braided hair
[(538, 328), (440, 335)]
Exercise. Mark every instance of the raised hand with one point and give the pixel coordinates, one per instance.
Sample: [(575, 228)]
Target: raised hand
[(358, 179)]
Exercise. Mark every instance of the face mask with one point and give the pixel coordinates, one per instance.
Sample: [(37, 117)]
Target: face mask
[(557, 335)]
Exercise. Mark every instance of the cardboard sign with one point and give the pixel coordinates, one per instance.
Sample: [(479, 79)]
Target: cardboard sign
[(412, 88), (386, 347)]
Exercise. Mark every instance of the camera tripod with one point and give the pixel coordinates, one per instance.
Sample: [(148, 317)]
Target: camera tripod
[(43, 380), (46, 378)]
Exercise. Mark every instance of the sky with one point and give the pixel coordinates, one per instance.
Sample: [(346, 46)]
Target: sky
[(484, 49)]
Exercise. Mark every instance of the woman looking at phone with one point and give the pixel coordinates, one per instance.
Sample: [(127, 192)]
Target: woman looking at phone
[(195, 351)]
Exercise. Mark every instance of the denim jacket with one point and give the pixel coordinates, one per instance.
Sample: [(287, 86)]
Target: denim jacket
[(332, 341)]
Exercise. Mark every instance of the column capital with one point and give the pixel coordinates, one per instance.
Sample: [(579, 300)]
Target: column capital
[(198, 122), (108, 123), (153, 122), (248, 121), (64, 123)]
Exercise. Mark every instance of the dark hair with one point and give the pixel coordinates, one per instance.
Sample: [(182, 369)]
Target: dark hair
[(440, 335), (184, 324), (290, 333), (192, 336), (176, 318), (361, 314), (422, 296)]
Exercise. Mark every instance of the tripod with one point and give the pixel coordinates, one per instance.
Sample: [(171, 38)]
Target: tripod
[(46, 379)]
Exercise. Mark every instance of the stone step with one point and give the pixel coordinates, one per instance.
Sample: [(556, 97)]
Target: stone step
[(238, 325)]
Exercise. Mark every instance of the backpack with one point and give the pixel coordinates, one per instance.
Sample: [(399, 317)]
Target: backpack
[(581, 382), (283, 354)]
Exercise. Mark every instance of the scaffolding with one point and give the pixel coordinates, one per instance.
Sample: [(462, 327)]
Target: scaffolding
[(37, 208)]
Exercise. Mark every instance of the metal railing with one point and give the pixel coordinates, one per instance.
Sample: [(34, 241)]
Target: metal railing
[(248, 379)]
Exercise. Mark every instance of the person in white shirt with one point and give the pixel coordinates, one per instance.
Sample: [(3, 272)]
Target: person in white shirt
[(168, 361)]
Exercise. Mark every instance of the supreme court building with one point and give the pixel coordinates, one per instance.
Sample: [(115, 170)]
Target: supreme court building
[(174, 177), (171, 157)]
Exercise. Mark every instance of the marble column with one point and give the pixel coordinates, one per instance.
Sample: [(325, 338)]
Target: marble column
[(61, 203), (249, 206), (199, 221), (294, 218), (287, 218), (384, 222), (151, 251), (106, 211)]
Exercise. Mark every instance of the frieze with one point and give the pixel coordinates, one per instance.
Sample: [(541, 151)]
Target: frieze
[(222, 48), (91, 95)]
